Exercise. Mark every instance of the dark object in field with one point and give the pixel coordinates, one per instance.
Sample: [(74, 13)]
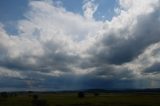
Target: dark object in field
[(81, 94), (38, 102), (4, 94), (96, 94), (35, 97)]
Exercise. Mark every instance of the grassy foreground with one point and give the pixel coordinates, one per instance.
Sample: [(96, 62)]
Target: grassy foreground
[(71, 99)]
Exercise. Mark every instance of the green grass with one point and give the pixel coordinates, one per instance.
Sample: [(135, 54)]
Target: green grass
[(71, 99)]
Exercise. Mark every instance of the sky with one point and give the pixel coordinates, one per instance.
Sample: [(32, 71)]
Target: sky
[(79, 44)]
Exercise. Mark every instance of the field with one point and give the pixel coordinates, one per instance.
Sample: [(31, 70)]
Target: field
[(72, 99)]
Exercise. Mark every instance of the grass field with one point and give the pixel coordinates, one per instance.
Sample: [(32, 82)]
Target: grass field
[(71, 99)]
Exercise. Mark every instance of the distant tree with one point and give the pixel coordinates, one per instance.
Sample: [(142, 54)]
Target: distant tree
[(38, 102), (81, 94), (35, 97), (15, 94), (30, 92), (96, 94), (4, 94)]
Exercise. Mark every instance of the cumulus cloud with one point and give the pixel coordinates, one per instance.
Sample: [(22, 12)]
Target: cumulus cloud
[(89, 8), (119, 49), (55, 47), (155, 68)]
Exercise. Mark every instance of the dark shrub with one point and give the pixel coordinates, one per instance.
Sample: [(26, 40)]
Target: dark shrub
[(35, 97), (96, 94), (81, 94), (38, 102), (30, 92), (4, 94)]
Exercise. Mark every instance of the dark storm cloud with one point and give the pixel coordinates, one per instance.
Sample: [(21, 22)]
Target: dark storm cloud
[(10, 83), (111, 72), (119, 50), (153, 69), (51, 60), (57, 61)]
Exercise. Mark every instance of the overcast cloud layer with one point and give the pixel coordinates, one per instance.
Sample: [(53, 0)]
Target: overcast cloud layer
[(56, 49)]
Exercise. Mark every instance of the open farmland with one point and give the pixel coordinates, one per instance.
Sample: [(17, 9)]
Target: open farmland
[(72, 99)]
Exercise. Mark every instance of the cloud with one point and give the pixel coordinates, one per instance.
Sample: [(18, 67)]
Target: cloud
[(55, 48), (122, 43), (89, 8), (155, 68)]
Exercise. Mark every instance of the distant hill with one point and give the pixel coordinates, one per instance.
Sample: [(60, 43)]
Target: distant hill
[(148, 90)]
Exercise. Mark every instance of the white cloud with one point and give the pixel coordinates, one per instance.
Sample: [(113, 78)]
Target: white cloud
[(89, 8)]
